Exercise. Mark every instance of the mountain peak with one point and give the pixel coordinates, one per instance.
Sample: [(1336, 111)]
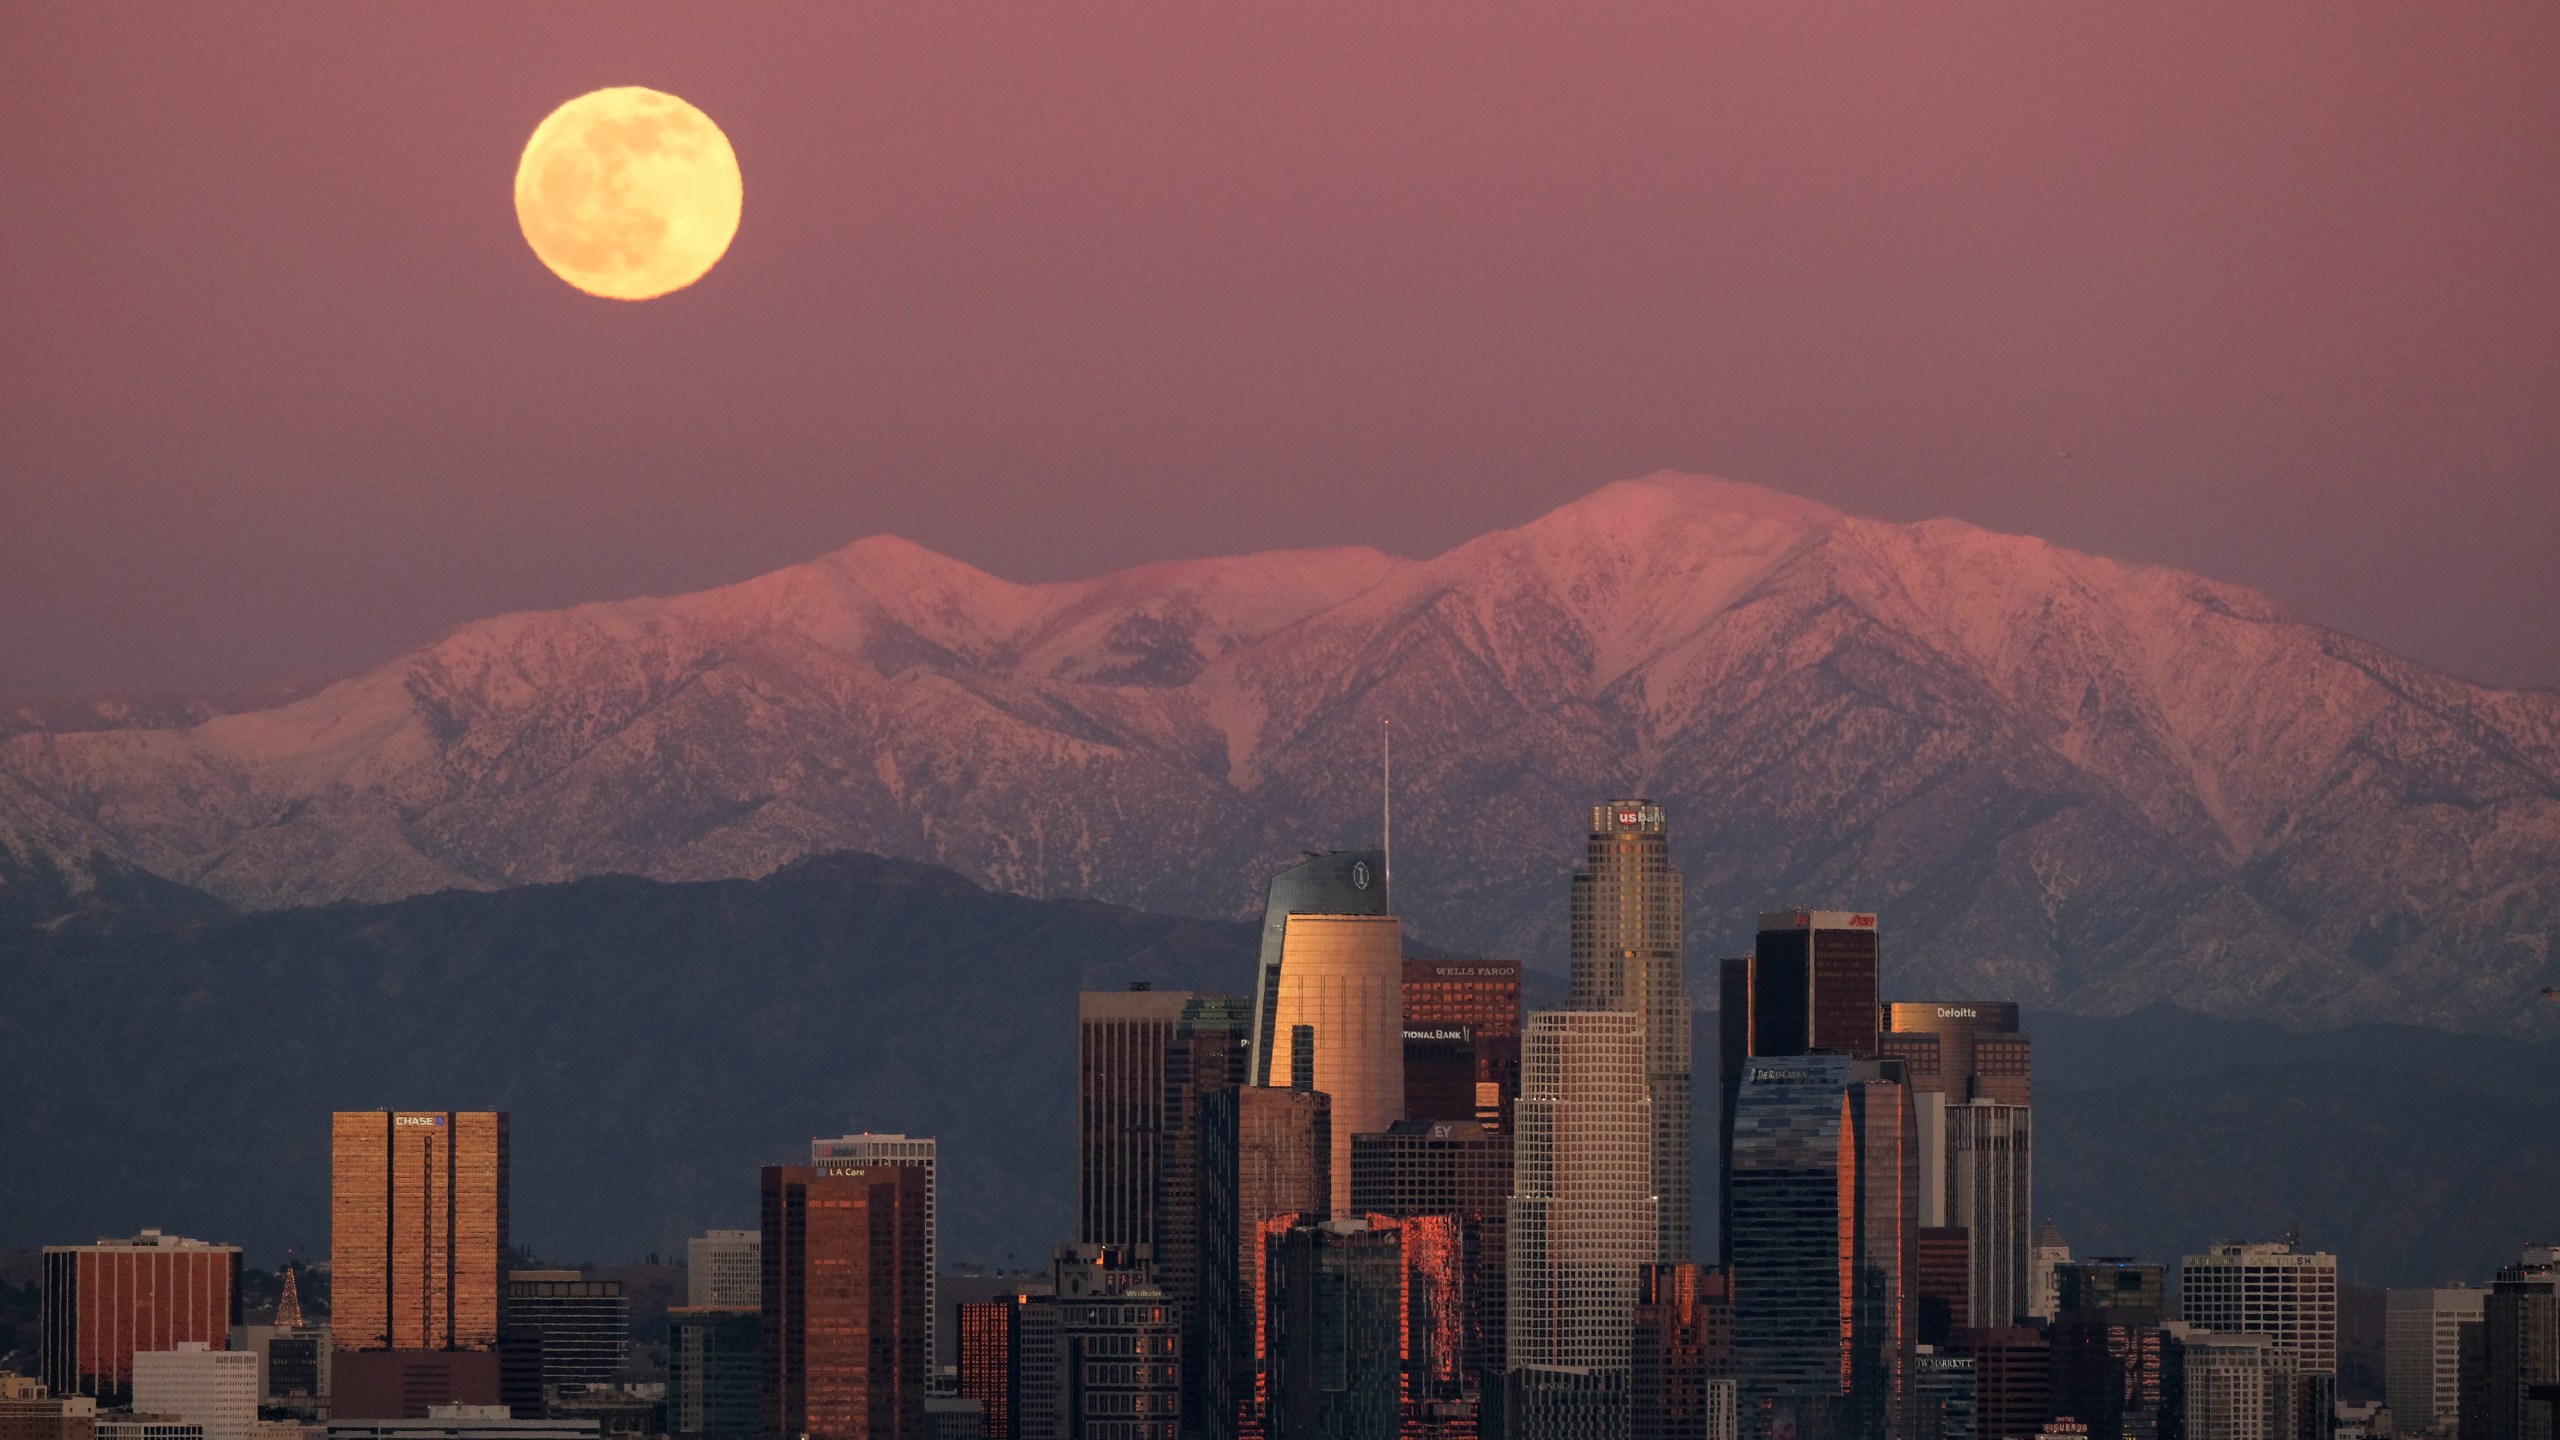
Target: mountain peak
[(2090, 785)]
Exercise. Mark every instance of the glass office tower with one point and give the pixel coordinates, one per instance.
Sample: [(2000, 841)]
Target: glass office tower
[(1338, 882), (1821, 1191)]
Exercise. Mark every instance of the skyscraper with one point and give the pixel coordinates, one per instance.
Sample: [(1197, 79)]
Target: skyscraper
[(713, 1373), (2105, 1343), (1990, 1163), (723, 1271), (1808, 986), (987, 1367), (845, 1349), (2519, 1339), (1461, 1171), (1627, 949), (920, 1152), (2422, 1353), (1339, 882), (2280, 1291), (1824, 1243), (1481, 997), (1097, 1355), (1584, 1219), (581, 1328), (216, 1389), (103, 1304), (1335, 1331), (1266, 1154), (1681, 1387), (1342, 994), (418, 1229)]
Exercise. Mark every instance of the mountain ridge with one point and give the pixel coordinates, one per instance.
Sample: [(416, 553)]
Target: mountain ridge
[(2096, 785)]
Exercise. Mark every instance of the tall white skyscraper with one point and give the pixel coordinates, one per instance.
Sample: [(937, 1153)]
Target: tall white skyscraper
[(2422, 1354), (2272, 1290), (1341, 996), (855, 1152), (1584, 1218), (1627, 949), (724, 1270)]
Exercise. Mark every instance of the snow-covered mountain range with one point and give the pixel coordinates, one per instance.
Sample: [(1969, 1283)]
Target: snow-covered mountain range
[(2084, 784)]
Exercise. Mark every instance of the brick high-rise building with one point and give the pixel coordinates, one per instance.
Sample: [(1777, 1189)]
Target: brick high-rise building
[(2012, 1380), (104, 1303), (1482, 998), (418, 1229), (1628, 955), (844, 1302), (1942, 1283)]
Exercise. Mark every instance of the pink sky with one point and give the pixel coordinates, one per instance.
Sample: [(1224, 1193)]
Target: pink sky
[(2268, 291)]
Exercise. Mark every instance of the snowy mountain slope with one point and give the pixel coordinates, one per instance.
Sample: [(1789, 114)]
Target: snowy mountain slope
[(2086, 784)]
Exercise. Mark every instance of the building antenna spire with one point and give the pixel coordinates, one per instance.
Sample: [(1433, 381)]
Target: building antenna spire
[(1387, 814)]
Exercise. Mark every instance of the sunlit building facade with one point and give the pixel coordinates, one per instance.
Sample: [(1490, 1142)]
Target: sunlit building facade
[(418, 1229), (1680, 1386), (103, 1304), (1340, 882), (845, 1352), (917, 1152), (1341, 996)]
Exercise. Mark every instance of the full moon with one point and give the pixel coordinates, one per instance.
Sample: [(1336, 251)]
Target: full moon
[(628, 193)]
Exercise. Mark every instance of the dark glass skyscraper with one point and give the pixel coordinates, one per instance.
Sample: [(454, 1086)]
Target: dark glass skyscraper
[(712, 1379), (1335, 1326), (1627, 950), (1823, 1246), (1807, 987), (1265, 1155), (1338, 882)]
